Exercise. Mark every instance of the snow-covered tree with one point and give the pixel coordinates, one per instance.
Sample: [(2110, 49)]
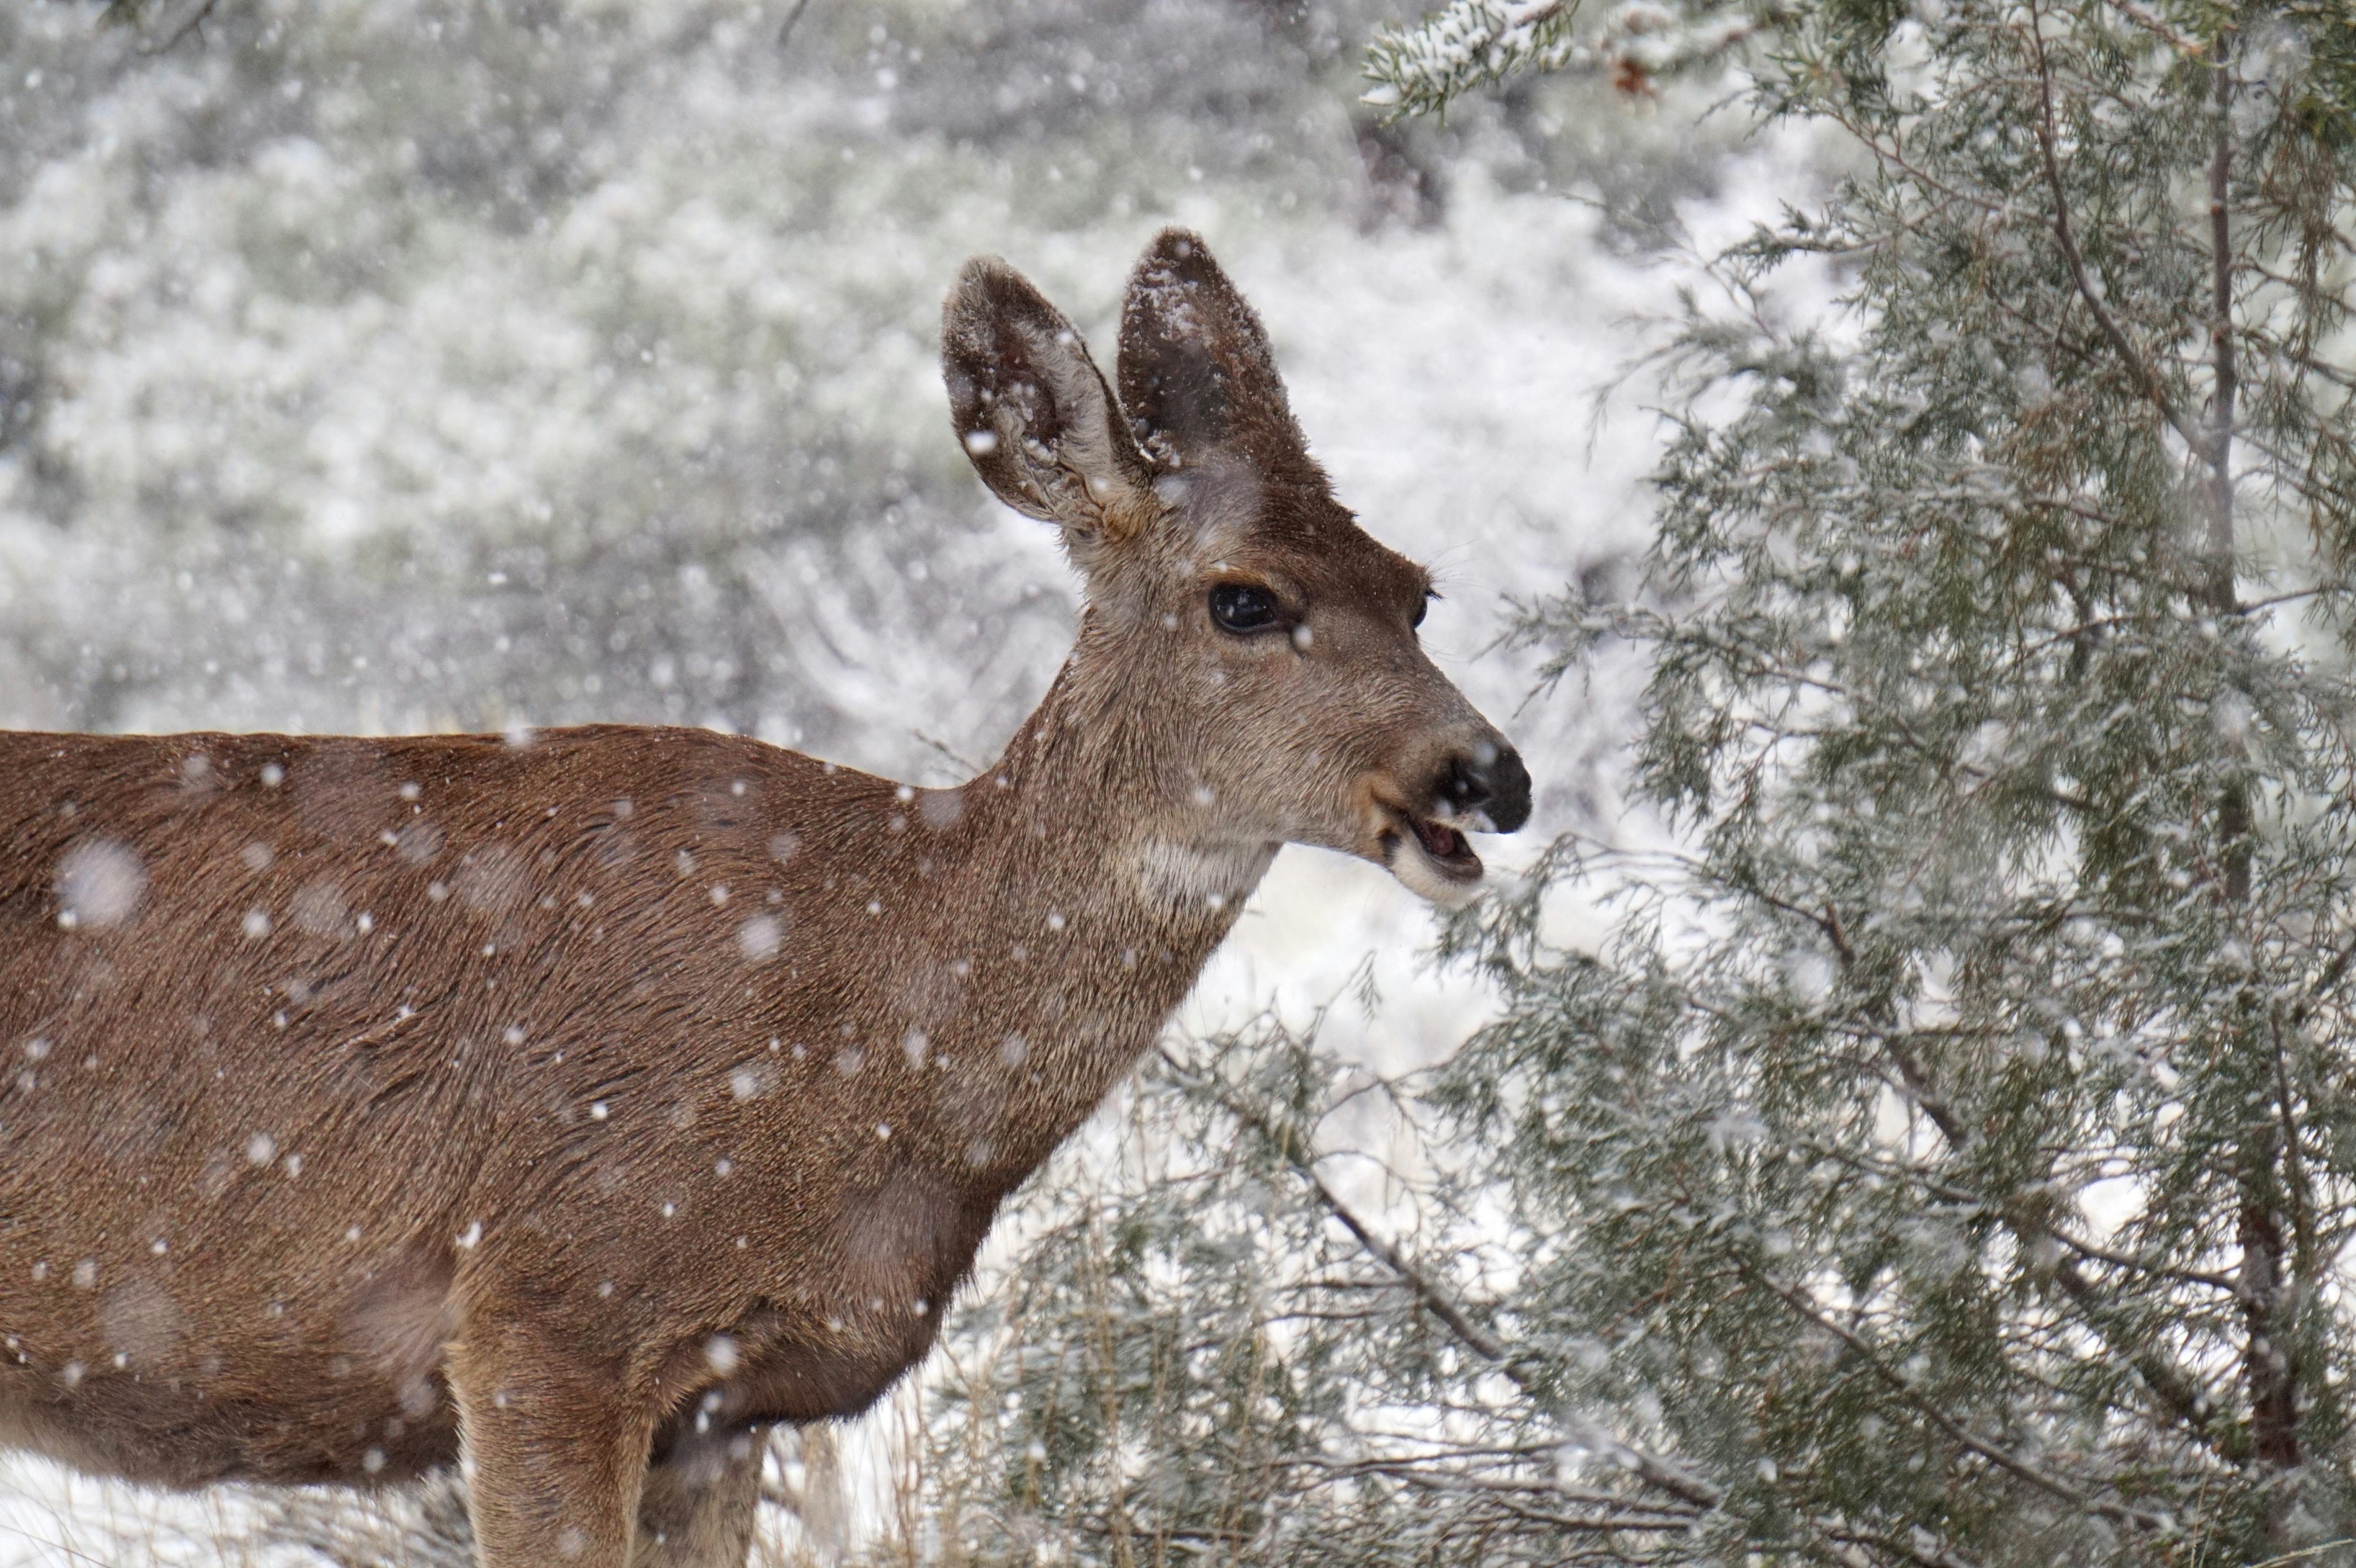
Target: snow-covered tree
[(1948, 1159), (1955, 1146)]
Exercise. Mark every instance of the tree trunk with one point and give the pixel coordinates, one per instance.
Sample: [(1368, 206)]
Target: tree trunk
[(2267, 1364)]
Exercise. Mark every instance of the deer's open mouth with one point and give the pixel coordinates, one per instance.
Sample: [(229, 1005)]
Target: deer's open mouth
[(1445, 847), (1431, 858)]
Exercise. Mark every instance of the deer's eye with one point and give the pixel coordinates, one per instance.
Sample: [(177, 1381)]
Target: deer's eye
[(1240, 607)]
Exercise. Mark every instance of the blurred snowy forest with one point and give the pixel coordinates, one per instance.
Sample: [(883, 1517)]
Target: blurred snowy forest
[(404, 365), (399, 367)]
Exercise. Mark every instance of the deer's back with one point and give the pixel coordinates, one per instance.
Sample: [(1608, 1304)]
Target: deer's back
[(282, 1020)]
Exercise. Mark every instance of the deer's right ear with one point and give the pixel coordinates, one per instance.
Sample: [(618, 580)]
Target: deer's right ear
[(1035, 415)]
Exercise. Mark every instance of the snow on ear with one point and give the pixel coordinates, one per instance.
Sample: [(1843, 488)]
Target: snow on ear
[(1196, 375), (1033, 411)]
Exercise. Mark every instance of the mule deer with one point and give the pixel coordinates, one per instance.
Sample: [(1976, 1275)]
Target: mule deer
[(575, 1109)]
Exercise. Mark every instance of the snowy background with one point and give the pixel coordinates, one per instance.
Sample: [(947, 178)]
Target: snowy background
[(384, 366)]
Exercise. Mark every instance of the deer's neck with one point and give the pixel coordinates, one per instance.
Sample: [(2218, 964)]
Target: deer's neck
[(1105, 887)]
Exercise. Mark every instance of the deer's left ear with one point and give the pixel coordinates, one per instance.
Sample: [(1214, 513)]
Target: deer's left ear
[(1197, 376), (1035, 413)]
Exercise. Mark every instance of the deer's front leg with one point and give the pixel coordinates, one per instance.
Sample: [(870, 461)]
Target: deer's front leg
[(702, 1498), (556, 1450)]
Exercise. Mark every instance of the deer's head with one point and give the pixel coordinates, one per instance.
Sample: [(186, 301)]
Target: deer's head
[(1237, 612)]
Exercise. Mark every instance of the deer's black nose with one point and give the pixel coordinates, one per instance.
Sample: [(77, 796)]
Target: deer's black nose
[(1491, 781)]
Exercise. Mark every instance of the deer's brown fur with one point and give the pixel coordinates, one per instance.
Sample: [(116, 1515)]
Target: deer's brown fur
[(592, 1102)]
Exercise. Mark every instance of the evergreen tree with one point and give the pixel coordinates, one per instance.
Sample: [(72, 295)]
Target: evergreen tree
[(1949, 1159), (1975, 1164)]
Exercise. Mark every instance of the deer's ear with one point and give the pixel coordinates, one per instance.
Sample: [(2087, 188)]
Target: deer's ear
[(1035, 413), (1197, 374)]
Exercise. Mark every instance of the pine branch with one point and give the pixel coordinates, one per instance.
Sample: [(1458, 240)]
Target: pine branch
[(2065, 236), (1466, 45), (1290, 1146), (1651, 1468), (1949, 1191), (2002, 1458), (1293, 1150), (1469, 45), (2157, 27), (2177, 1392)]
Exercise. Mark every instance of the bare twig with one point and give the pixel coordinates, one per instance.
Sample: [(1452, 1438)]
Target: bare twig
[(785, 33), (946, 749)]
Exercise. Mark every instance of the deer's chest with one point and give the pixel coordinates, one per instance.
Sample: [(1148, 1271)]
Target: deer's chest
[(857, 1309), (830, 1367)]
